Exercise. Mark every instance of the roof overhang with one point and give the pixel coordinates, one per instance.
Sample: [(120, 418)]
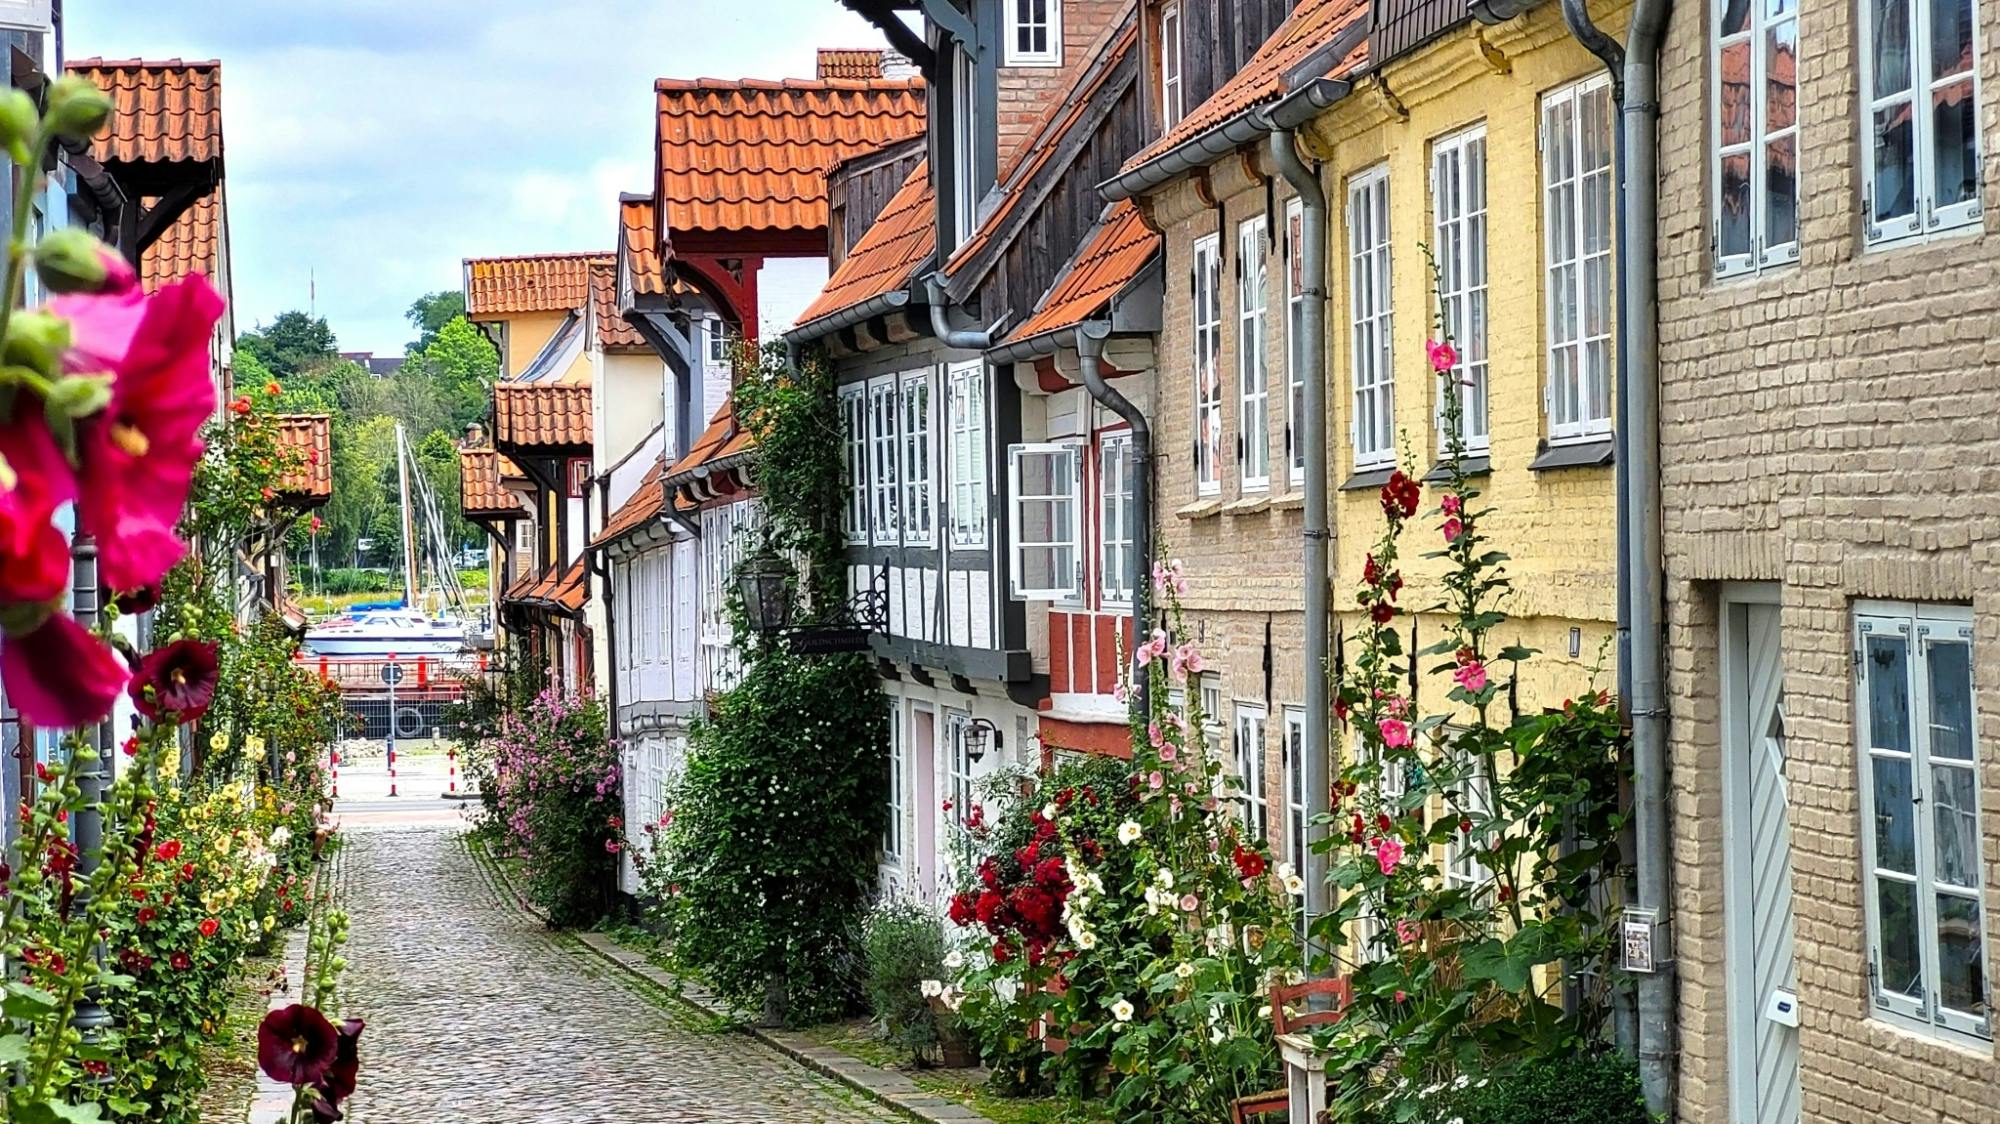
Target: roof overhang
[(1246, 128)]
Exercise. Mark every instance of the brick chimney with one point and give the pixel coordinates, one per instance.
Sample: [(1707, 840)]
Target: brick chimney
[(842, 62)]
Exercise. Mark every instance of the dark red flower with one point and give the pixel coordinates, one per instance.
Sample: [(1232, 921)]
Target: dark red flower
[(139, 600), (168, 851), (988, 907), (1091, 850), (96, 1068), (180, 961), (1249, 863), (146, 915), (187, 872), (1371, 571), (963, 909), (210, 926), (1049, 873), (1002, 952), (182, 679), (342, 1076), (989, 873), (1381, 612), (1400, 496), (296, 1045), (1359, 829), (1383, 822)]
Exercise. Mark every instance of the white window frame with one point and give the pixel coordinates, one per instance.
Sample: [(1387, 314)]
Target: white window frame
[(1065, 553), (1463, 868), (970, 503), (854, 423), (1115, 529), (958, 777), (1296, 842), (919, 466), (1295, 342), (1253, 369), (892, 830), (884, 496), (964, 147), (1020, 19), (1205, 286), (1458, 223), (1371, 319), (1252, 735), (1211, 711), (1925, 217), (1566, 189), (717, 332), (1918, 628), (1755, 41), (1173, 79)]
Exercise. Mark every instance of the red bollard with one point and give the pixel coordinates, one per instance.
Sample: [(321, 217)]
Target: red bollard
[(423, 671), (323, 676), (451, 757), (334, 772)]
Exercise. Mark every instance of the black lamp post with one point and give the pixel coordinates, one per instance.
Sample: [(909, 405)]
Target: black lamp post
[(765, 581)]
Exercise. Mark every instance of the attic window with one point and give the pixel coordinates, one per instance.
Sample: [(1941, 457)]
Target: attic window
[(1034, 33)]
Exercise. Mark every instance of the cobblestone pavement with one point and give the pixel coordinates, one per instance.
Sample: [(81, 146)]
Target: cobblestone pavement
[(476, 1015)]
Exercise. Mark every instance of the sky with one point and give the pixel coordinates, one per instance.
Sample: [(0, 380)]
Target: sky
[(371, 145)]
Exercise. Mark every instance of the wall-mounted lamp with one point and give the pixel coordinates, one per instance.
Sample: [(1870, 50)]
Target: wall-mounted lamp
[(978, 733)]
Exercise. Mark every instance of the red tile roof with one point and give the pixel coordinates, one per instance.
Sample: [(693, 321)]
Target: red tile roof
[(309, 483), (722, 439), (479, 490), (641, 507), (753, 155), (193, 244), (639, 228), (614, 332), (166, 112), (1110, 258), (901, 239), (1313, 24), (539, 415), (530, 283), (562, 590), (835, 62)]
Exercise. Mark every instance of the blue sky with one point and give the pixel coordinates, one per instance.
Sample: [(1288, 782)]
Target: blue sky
[(373, 144)]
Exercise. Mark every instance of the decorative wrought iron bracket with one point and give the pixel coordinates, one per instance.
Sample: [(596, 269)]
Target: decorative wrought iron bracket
[(847, 628)]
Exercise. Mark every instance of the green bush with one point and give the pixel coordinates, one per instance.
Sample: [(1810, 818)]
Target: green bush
[(905, 946), (337, 582), (1578, 1089)]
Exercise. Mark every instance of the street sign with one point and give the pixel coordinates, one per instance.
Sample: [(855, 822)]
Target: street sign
[(392, 673)]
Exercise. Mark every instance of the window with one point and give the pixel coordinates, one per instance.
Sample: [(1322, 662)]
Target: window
[(854, 423), (967, 391), (1462, 869), (578, 471), (1250, 722), (1919, 81), (1253, 434), (1920, 816), (1458, 208), (958, 779), (1173, 89), (1042, 482), (1211, 711), (892, 832), (882, 462), (1296, 850), (1114, 485), (1374, 429), (1206, 284), (725, 531), (965, 126), (916, 419), (718, 341), (1756, 141), (1295, 342), (1576, 179), (1034, 33)]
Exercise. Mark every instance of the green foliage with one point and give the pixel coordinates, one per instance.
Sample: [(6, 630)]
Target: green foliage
[(905, 946), (429, 314), (360, 581), (801, 470), (557, 801), (1585, 1088), (294, 343), (270, 712), (462, 365)]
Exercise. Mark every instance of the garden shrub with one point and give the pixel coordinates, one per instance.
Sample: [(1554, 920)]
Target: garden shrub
[(904, 942), (1589, 1088), (557, 796)]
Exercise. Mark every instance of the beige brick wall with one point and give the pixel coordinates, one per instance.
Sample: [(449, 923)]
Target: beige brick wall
[(1828, 426)]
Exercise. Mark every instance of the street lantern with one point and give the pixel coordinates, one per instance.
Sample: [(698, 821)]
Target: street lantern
[(765, 581), (978, 734)]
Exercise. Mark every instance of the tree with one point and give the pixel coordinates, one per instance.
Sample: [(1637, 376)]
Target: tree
[(430, 313), (462, 366), (293, 344)]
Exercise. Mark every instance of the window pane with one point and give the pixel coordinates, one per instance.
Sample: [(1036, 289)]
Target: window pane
[(1950, 681), (1902, 964), (1895, 168), (1891, 43), (1781, 208), (1955, 130), (1955, 818), (1961, 961), (1735, 16), (1734, 206), (1781, 76), (1736, 104), (1951, 37), (1888, 694), (1895, 815)]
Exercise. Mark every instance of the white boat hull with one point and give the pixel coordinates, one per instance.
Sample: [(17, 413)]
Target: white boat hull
[(385, 646)]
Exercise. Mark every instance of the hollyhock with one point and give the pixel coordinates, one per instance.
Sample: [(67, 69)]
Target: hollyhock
[(210, 926), (1443, 356), (1400, 496), (1395, 732), (1451, 505), (1155, 735), (1249, 863), (139, 453), (180, 961), (1388, 852), (1381, 612), (59, 675), (296, 1045), (343, 1075), (1471, 676), (181, 678), (1452, 529)]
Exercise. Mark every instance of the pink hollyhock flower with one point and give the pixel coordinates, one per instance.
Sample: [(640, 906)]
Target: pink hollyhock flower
[(58, 675), (1452, 504), (1395, 733), (1452, 529), (1156, 780), (1401, 995), (35, 480), (1471, 676), (139, 453), (1167, 753), (1388, 852), (1159, 642), (1406, 932), (1443, 356), (1118, 693), (1189, 903), (1159, 578), (1155, 735), (1142, 655), (1177, 576)]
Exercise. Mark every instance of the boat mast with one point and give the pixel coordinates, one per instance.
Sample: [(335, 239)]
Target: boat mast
[(409, 524)]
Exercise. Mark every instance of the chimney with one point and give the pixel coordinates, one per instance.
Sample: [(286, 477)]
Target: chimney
[(475, 436), (897, 66), (853, 64)]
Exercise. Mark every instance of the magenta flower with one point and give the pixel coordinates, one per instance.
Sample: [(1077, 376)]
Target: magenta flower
[(1452, 529), (1388, 852), (1443, 356), (181, 678), (1395, 732), (1452, 504), (1471, 676), (57, 674)]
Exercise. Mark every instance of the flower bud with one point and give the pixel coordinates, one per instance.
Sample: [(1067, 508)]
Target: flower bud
[(36, 340), (77, 109), (18, 121), (71, 260), (79, 396)]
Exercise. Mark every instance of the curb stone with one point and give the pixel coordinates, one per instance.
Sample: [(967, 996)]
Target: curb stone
[(883, 1086)]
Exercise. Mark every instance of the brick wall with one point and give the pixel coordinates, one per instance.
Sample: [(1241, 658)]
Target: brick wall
[(1027, 92), (1827, 426)]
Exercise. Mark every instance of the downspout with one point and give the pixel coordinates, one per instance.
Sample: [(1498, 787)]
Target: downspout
[(1642, 577), (979, 340), (598, 562), (1312, 282), (1090, 337)]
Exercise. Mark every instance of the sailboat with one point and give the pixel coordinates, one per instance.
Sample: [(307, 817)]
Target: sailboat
[(429, 620)]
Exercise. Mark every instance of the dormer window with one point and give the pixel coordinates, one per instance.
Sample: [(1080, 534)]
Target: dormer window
[(1173, 99), (1034, 33), (964, 152)]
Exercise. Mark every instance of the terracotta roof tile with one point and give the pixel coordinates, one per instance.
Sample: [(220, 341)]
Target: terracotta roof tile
[(835, 62), (166, 112), (479, 490), (1313, 24), (574, 588), (721, 442), (529, 283), (310, 436), (193, 244), (642, 506), (541, 416), (564, 590), (639, 227), (1110, 258), (614, 332), (753, 155), (902, 238), (522, 587)]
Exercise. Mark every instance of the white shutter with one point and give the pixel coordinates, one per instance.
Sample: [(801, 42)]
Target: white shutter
[(1046, 558)]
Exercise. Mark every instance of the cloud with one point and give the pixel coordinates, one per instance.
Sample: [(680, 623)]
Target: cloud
[(374, 144)]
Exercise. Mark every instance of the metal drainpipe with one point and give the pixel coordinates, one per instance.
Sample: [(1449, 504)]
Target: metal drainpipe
[(1636, 70), (1318, 747), (941, 324), (1090, 337)]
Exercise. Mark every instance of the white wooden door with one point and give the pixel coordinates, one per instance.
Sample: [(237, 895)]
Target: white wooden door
[(1762, 971)]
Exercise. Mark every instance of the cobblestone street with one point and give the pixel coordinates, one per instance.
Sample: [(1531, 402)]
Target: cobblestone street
[(476, 1015)]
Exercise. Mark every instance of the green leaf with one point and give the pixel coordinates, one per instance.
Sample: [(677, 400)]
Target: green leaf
[(13, 1049), (25, 1001)]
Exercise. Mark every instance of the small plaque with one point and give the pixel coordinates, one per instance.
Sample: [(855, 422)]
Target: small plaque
[(1638, 929), (1782, 1007)]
